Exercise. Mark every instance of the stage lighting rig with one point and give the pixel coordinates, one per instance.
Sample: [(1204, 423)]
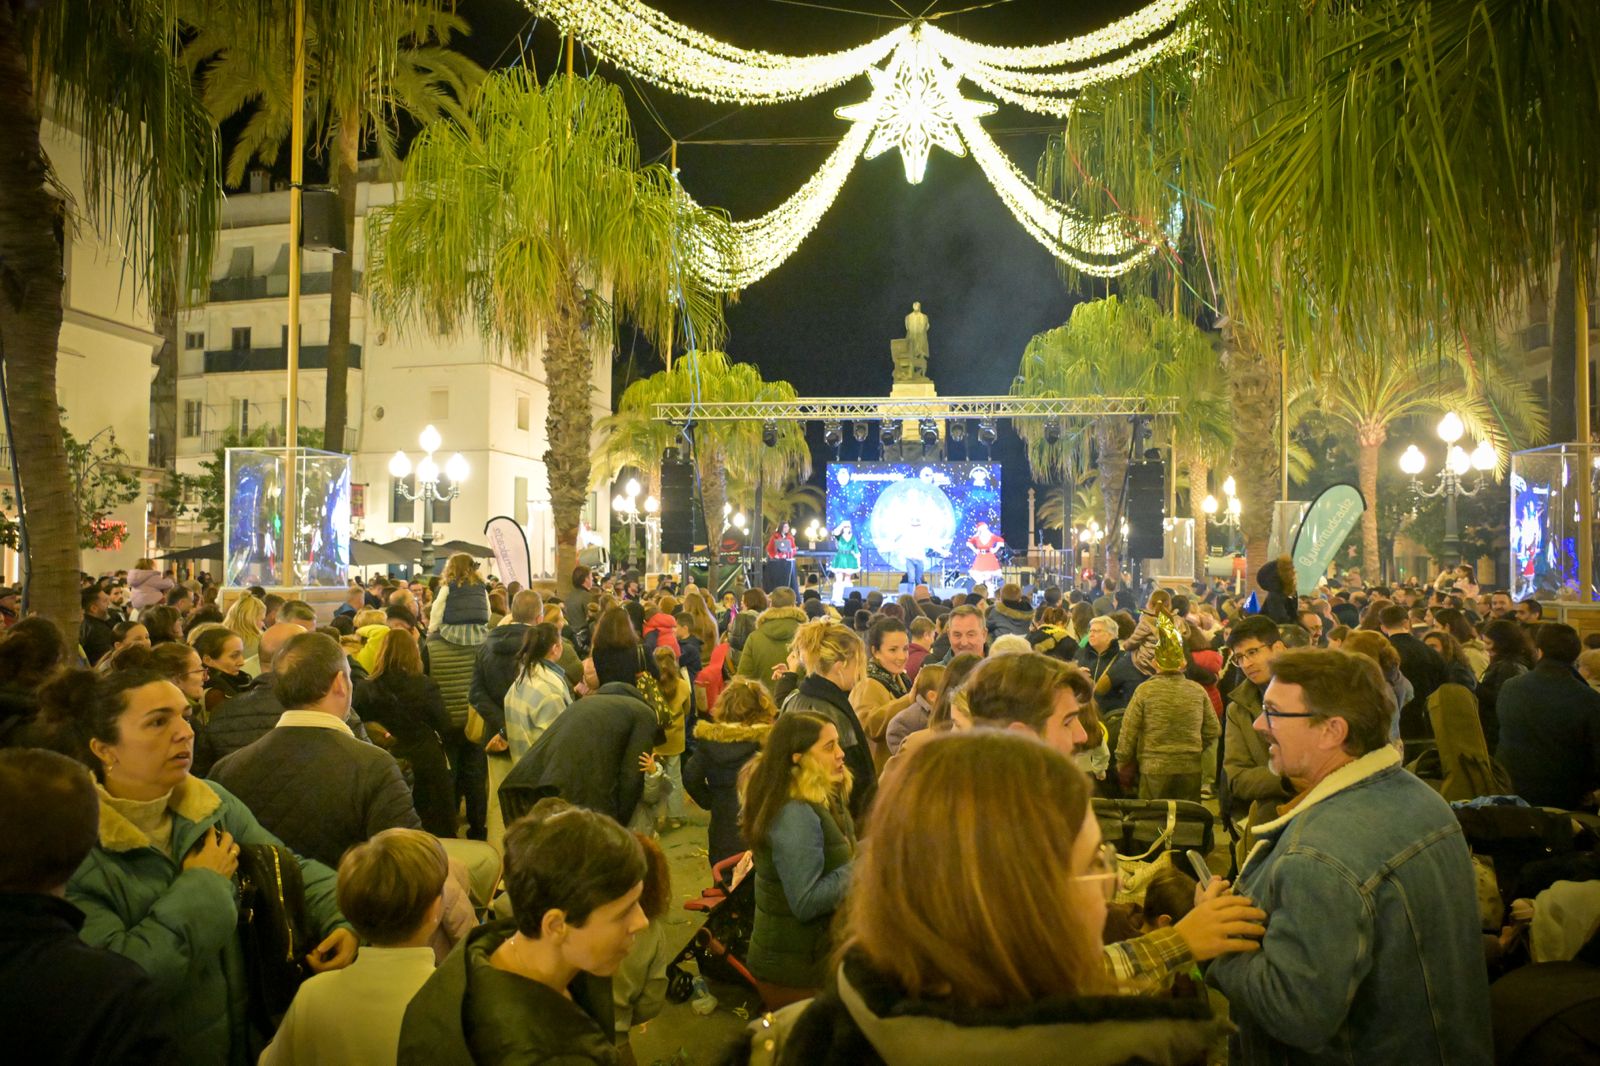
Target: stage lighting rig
[(769, 433), (988, 431), (928, 430), (957, 430), (860, 430), (889, 431), (1052, 430), (833, 432)]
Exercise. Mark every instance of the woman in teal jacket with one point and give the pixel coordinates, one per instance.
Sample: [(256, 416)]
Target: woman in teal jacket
[(159, 886)]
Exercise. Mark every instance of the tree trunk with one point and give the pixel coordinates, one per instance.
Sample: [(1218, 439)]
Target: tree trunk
[(1370, 440), (347, 143), (1564, 352), (1198, 473), (1253, 395), (713, 493), (569, 421), (1111, 439), (32, 227)]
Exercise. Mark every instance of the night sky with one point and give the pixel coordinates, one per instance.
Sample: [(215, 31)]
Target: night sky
[(823, 321)]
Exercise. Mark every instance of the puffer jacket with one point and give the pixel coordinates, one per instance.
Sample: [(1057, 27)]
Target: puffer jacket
[(236, 723), (470, 1014), (769, 644), (1054, 641), (665, 629), (146, 588), (711, 777), (1009, 616), (181, 925), (495, 671), (451, 665), (821, 696), (866, 1019)]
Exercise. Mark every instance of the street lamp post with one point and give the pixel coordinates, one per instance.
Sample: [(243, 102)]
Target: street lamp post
[(625, 506), (1230, 512), (428, 489), (1457, 463)]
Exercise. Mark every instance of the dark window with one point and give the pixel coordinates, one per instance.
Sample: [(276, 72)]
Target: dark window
[(400, 508), (241, 338)]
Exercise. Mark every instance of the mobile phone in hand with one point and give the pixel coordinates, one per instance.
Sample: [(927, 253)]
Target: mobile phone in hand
[(1197, 862)]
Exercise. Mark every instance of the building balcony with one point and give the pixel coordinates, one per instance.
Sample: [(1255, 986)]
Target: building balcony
[(271, 286), (237, 361)]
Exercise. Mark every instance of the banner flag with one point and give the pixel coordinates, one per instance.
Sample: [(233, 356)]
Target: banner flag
[(1328, 521), (509, 543)]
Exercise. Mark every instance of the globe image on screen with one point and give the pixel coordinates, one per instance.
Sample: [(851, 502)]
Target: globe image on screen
[(909, 518)]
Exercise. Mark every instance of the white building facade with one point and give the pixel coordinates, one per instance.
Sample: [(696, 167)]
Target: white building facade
[(486, 403), (104, 364)]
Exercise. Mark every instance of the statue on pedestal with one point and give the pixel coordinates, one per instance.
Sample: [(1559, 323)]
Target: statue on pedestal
[(910, 353)]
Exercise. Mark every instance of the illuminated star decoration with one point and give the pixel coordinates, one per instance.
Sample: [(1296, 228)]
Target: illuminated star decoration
[(914, 105)]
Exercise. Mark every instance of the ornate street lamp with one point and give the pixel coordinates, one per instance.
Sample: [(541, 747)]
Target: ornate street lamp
[(428, 489), (1450, 484)]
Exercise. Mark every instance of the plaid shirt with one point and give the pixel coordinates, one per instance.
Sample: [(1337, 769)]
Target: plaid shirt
[(1149, 957)]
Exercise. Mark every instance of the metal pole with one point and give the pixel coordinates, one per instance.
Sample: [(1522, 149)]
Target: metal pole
[(1583, 261), (1283, 423), (1452, 527), (291, 426), (427, 528)]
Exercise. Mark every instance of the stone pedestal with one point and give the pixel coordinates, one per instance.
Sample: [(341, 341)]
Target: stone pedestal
[(914, 390)]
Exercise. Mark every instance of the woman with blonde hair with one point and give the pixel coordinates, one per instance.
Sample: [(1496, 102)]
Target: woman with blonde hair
[(244, 621), (835, 661), (797, 821), (927, 974)]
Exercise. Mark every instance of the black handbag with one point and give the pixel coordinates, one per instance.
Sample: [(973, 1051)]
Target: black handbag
[(274, 929)]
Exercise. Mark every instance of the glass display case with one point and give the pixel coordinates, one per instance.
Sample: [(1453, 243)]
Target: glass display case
[(254, 544), (1552, 497)]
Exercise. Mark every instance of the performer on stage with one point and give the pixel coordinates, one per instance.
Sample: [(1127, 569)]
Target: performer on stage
[(985, 546), (846, 562), (780, 558)]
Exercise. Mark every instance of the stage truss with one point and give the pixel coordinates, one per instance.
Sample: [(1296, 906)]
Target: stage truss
[(877, 408)]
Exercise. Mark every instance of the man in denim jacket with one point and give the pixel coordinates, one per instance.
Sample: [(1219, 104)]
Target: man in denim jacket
[(1373, 952)]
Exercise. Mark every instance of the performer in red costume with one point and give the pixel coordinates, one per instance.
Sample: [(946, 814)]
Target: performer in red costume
[(780, 558), (985, 545)]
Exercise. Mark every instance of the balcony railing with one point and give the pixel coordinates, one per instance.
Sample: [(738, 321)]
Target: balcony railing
[(234, 361), (265, 286)]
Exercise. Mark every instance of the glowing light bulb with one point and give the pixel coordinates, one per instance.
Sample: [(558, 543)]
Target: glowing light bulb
[(400, 465), (430, 439), (1451, 428), (1412, 461)]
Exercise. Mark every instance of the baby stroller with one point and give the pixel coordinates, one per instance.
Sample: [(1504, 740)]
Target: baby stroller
[(718, 947)]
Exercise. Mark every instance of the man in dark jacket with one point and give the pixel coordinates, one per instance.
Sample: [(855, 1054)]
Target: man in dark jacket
[(64, 1001), (96, 635), (589, 756), (1421, 665), (1550, 725), (249, 716), (496, 668), (1102, 648), (309, 780)]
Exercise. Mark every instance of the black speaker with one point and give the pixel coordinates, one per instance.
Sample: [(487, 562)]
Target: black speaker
[(1146, 510), (677, 507), (321, 221)]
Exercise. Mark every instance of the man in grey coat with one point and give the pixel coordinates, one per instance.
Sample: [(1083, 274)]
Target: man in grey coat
[(309, 781)]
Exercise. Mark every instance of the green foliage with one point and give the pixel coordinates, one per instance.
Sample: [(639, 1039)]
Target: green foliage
[(543, 185), (401, 65)]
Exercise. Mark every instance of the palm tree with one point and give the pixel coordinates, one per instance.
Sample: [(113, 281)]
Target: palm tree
[(537, 223), (105, 70), (728, 456), (1369, 389), (1109, 347), (1203, 424), (1432, 156), (409, 71)]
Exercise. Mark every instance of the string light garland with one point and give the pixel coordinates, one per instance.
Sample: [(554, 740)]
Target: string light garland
[(915, 105)]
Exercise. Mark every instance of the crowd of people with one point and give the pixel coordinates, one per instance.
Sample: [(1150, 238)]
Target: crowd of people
[(199, 786)]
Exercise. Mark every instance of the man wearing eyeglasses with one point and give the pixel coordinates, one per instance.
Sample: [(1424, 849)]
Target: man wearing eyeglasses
[(1372, 950), (1254, 642)]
